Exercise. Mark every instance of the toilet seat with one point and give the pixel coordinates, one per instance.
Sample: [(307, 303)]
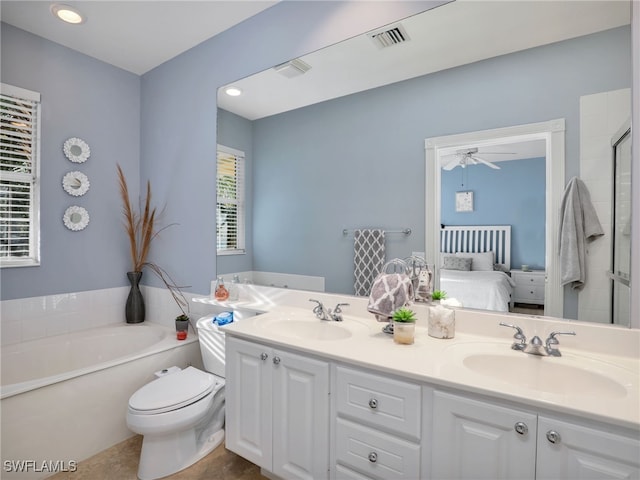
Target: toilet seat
[(173, 391)]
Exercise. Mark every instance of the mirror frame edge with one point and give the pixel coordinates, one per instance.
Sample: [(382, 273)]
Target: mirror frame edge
[(553, 132)]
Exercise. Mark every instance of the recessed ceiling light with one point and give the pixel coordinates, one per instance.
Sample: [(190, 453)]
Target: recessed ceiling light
[(67, 14), (233, 91)]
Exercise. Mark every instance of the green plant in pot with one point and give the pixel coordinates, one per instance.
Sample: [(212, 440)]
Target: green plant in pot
[(438, 295), (404, 325)]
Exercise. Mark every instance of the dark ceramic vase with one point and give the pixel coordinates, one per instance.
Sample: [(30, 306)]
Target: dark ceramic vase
[(134, 310)]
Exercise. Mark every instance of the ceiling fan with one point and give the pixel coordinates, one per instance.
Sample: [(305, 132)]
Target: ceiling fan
[(468, 156)]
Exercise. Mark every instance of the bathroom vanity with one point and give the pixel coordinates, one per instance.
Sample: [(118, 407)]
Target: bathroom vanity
[(315, 399)]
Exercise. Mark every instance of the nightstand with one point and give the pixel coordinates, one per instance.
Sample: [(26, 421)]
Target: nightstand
[(529, 287)]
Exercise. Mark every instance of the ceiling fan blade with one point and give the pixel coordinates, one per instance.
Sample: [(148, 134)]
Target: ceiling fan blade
[(488, 164), (497, 153), (450, 165)]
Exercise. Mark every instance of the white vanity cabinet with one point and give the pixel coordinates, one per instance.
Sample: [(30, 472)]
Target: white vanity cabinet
[(474, 439), (478, 440), (377, 426), (277, 409), (570, 450)]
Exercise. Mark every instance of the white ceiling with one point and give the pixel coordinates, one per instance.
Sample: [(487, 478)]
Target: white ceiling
[(134, 35), (451, 35)]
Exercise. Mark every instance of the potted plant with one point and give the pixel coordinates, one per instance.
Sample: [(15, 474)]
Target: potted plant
[(404, 325), (438, 295), (182, 326), (141, 230)]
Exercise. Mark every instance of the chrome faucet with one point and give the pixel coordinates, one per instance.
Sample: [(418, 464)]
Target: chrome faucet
[(551, 345), (519, 340), (536, 347), (324, 313)]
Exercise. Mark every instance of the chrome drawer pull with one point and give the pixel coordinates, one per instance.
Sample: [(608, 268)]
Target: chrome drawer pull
[(373, 403), (276, 360), (263, 356), (553, 436), (521, 428), (373, 457)]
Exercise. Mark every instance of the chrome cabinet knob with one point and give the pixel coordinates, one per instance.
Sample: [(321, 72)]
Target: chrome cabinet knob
[(521, 428), (373, 457), (553, 436), (276, 360), (373, 403), (263, 356)]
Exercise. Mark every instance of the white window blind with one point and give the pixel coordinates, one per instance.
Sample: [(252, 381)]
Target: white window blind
[(19, 182), (230, 206)]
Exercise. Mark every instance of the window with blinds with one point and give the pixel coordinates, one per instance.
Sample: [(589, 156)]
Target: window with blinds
[(230, 206), (19, 185)]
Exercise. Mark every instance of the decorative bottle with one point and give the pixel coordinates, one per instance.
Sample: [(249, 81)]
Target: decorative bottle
[(234, 289), (221, 293)]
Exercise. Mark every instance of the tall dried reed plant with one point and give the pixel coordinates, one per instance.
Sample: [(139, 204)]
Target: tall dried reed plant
[(141, 230)]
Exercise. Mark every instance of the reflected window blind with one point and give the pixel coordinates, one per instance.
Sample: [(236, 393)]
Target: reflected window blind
[(19, 185), (230, 206)]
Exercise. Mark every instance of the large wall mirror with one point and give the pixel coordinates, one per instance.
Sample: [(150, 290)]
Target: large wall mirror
[(335, 140)]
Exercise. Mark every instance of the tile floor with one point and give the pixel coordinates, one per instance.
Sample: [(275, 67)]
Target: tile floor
[(120, 462)]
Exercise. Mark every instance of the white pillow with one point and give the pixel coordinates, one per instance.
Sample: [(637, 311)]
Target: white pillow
[(481, 261)]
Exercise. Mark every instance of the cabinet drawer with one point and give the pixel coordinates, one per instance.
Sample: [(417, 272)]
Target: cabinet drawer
[(374, 453), (379, 401), (528, 278), (529, 294)]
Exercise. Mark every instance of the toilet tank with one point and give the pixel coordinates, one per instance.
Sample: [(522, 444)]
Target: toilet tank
[(212, 340)]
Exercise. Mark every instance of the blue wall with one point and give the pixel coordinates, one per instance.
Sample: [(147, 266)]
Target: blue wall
[(81, 97), (513, 195), (359, 160), (162, 127)]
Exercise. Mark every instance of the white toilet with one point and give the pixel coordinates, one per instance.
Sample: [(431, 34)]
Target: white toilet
[(181, 414)]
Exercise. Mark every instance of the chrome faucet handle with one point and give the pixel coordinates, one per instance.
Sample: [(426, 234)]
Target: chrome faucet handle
[(520, 341), (337, 312), (552, 343), (319, 309)]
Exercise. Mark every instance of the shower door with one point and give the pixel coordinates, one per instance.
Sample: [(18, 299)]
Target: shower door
[(621, 228)]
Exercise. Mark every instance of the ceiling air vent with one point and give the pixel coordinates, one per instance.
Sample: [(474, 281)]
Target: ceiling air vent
[(389, 37), (292, 68)]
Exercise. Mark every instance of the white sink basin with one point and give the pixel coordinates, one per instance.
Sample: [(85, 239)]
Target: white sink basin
[(308, 327), (566, 375), (320, 330)]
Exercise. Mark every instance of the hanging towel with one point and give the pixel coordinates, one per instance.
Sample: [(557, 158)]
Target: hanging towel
[(390, 291), (368, 247), (579, 225)]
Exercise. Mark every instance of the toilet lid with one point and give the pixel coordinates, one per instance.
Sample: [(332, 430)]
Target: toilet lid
[(173, 391)]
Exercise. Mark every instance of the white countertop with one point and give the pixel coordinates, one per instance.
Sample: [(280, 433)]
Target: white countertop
[(603, 353)]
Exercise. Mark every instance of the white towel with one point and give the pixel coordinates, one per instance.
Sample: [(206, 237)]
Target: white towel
[(579, 224), (390, 291), (369, 254)]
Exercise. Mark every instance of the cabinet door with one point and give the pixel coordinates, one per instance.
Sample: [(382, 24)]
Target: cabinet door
[(300, 416), (248, 401), (479, 440), (567, 450)]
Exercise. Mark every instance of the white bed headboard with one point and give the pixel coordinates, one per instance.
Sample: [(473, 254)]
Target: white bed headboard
[(478, 239)]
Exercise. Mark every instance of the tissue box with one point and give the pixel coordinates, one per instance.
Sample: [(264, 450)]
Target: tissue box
[(223, 318)]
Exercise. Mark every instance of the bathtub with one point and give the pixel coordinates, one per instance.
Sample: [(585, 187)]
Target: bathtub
[(64, 398)]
